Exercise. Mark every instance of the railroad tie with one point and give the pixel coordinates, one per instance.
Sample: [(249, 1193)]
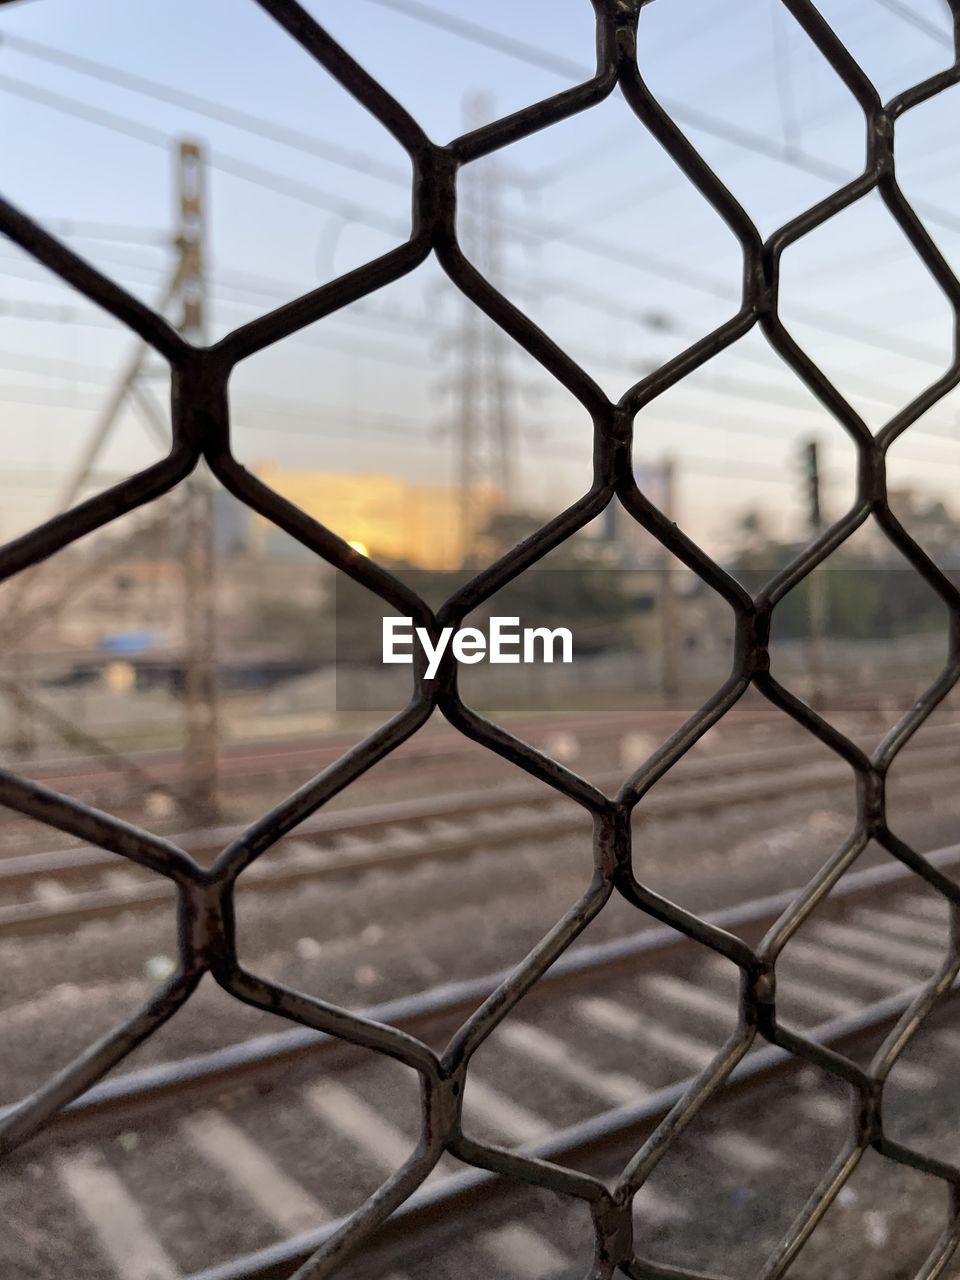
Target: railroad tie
[(925, 956), (251, 1172), (609, 1016), (524, 1250), (115, 1218), (837, 964), (721, 1009), (820, 1000), (824, 1109), (51, 891), (378, 1138), (933, 932), (506, 1117), (949, 1038), (746, 1153), (650, 1208), (557, 1056), (915, 1077), (927, 908)]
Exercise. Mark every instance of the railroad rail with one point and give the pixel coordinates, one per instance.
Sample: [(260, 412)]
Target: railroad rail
[(284, 758), (879, 963), (167, 764), (846, 979), (402, 834)]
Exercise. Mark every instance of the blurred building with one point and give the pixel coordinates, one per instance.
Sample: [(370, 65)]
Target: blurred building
[(391, 519)]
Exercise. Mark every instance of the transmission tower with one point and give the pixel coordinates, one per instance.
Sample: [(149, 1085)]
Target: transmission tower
[(484, 421)]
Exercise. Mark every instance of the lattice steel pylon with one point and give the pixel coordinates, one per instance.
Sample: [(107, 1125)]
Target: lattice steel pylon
[(201, 419), (483, 425)]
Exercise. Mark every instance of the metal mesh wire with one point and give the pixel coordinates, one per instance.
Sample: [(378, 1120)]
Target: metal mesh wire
[(201, 430)]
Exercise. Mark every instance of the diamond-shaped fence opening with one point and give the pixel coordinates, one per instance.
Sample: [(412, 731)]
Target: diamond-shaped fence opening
[(899, 295), (866, 1226), (580, 259), (433, 1140), (760, 113)]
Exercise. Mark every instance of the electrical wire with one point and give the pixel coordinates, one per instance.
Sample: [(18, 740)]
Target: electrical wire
[(681, 112), (908, 15), (658, 267), (273, 131), (121, 233), (414, 325), (478, 34), (302, 191), (757, 143), (235, 166), (782, 396)]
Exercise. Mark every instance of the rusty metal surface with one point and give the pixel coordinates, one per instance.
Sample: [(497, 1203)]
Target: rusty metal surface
[(201, 422)]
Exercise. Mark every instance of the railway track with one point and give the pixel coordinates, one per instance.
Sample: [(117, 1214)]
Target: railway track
[(236, 1164), (278, 757), (51, 891), (287, 760)]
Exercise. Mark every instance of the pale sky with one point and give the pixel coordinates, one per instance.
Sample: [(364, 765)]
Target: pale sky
[(598, 235)]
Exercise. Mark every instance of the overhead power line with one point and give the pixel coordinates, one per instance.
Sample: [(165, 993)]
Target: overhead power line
[(301, 418), (592, 298), (769, 396), (478, 34), (684, 114), (309, 194), (98, 376), (909, 15), (794, 156), (273, 131), (20, 309), (236, 166), (236, 283), (72, 105), (394, 319), (674, 272), (121, 233), (226, 281)]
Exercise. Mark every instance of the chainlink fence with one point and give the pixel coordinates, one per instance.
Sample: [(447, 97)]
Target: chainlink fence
[(201, 430)]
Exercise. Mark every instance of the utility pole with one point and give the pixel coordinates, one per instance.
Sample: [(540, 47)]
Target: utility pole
[(669, 646), (23, 736), (200, 667), (467, 411), (21, 701), (185, 288), (496, 387), (816, 589)]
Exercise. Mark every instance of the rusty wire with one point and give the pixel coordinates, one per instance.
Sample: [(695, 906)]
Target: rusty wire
[(201, 430)]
